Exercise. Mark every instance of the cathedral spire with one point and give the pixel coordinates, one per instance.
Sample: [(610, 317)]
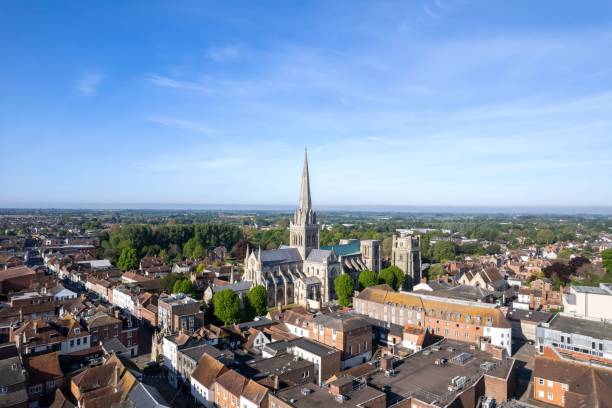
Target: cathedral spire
[(305, 203), (304, 230)]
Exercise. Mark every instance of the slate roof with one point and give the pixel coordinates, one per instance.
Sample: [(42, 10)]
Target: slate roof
[(145, 396), (341, 321), (280, 256), (242, 286), (10, 367), (319, 255)]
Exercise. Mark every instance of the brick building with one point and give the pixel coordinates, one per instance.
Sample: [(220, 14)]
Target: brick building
[(18, 278), (451, 318), (179, 312), (349, 333), (571, 384)]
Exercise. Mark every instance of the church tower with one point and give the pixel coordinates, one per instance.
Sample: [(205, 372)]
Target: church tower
[(304, 230)]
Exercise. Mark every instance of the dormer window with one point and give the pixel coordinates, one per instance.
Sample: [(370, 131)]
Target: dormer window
[(77, 331)]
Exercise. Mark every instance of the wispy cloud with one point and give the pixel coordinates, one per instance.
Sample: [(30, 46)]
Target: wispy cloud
[(429, 11), (180, 124), (223, 54), (436, 8), (87, 84), (167, 82)]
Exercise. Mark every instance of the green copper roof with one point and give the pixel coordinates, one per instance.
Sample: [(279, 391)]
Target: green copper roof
[(347, 249)]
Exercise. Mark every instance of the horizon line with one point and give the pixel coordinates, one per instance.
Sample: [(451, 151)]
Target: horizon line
[(373, 208)]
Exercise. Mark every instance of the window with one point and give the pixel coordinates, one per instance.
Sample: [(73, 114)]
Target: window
[(541, 394), (78, 342), (564, 387), (550, 396), (71, 343), (541, 381), (549, 383)]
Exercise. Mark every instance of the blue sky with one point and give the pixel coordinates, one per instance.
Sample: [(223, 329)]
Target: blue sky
[(432, 102)]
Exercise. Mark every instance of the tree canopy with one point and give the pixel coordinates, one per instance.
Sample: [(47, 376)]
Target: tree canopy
[(344, 287), (367, 278), (226, 305), (443, 251), (128, 259), (257, 299), (436, 270), (388, 276), (606, 257), (183, 286), (152, 239)]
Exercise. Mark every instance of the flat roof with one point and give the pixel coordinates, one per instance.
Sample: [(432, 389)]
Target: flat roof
[(418, 374), (596, 290), (278, 365), (592, 328), (311, 346), (309, 395), (529, 315)]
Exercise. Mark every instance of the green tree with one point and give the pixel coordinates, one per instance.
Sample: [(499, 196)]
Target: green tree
[(544, 236), (435, 271), (443, 251), (388, 276), (257, 300), (183, 286), (606, 257), (168, 281), (344, 287), (193, 248), (128, 260), (200, 268), (367, 278), (226, 306), (163, 254), (387, 246), (399, 275)]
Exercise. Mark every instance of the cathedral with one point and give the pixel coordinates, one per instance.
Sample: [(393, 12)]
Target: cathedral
[(303, 272)]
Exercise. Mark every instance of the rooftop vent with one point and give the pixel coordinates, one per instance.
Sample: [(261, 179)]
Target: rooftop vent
[(306, 391)]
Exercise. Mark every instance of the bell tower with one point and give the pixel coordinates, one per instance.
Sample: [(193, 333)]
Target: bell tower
[(304, 230)]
